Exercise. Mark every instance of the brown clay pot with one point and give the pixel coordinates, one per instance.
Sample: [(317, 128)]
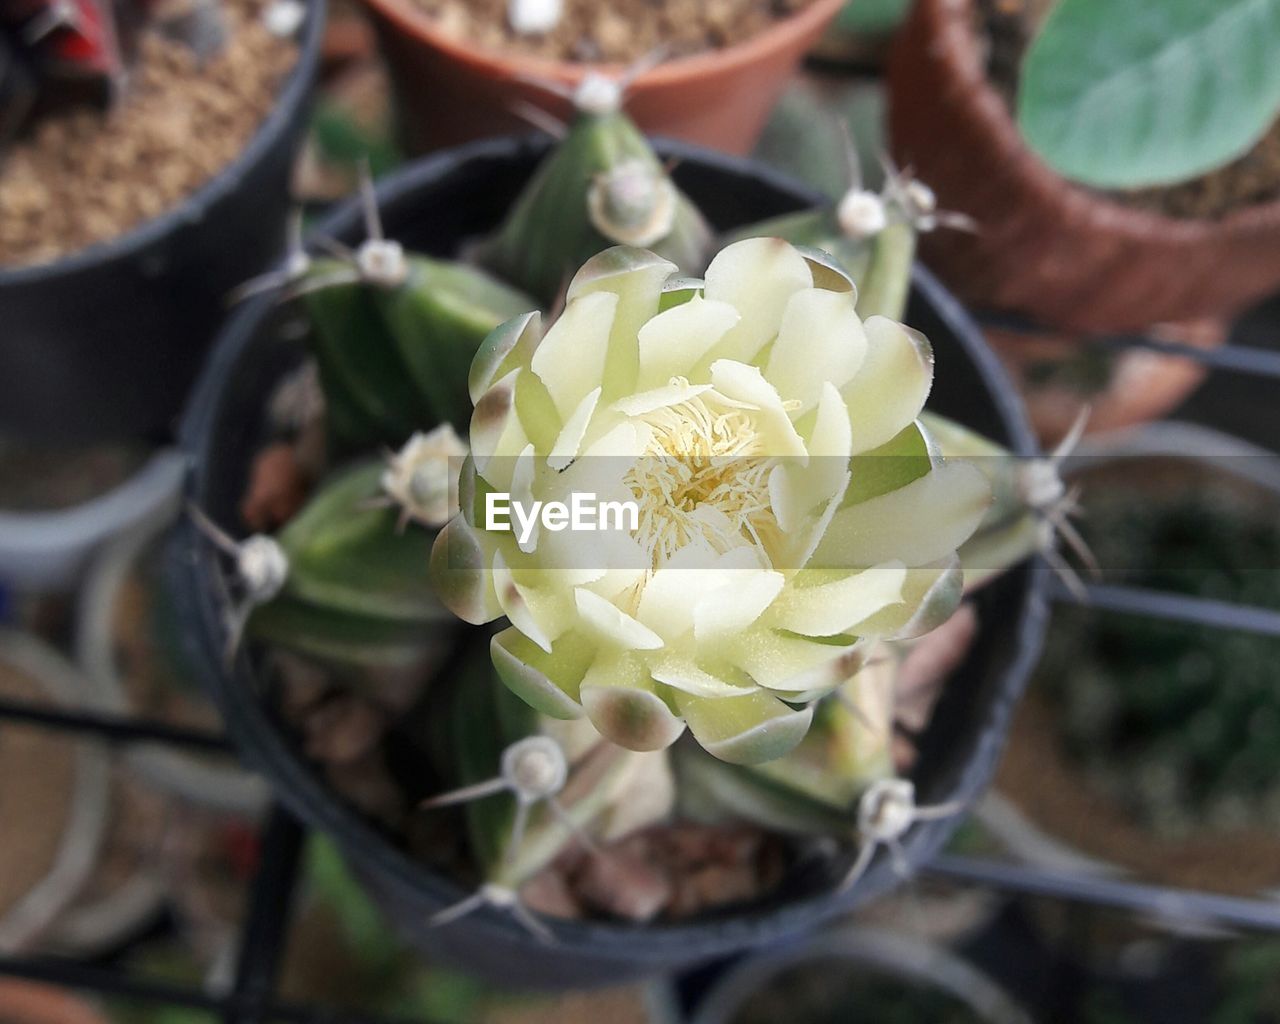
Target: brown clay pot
[(1143, 385), (450, 92), (24, 1002), (1065, 256)]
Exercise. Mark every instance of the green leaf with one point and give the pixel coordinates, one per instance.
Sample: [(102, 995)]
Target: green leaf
[(1152, 91)]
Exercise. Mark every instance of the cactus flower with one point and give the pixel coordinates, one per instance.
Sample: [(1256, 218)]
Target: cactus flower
[(790, 509)]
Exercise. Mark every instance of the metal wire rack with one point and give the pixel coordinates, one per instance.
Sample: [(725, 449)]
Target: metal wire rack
[(252, 996)]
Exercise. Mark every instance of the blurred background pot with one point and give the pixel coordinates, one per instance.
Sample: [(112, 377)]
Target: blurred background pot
[(451, 92), (1049, 807), (104, 343), (46, 544), (852, 974), (1065, 256), (127, 644), (436, 205)]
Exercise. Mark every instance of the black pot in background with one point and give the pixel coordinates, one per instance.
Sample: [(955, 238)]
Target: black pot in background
[(434, 206), (104, 343)]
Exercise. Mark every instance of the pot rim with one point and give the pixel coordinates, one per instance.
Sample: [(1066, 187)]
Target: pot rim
[(954, 45), (506, 64), (46, 550), (879, 951), (194, 207), (296, 783)]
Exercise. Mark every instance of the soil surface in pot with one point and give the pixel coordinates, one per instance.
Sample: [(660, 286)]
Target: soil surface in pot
[(84, 176), (37, 783), (1005, 29), (1157, 745), (617, 32)]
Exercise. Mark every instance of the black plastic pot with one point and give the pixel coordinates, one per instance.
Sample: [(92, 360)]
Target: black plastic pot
[(435, 205), (105, 343)]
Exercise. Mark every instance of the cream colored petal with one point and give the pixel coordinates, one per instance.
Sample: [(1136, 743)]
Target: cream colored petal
[(535, 613), (636, 277), (571, 356), (890, 388), (645, 402), (923, 522), (682, 673), (788, 663), (742, 383), (497, 435), (749, 729), (612, 624), (621, 700), (757, 277), (795, 490), (821, 342), (837, 605), (733, 607), (569, 443), (672, 343)]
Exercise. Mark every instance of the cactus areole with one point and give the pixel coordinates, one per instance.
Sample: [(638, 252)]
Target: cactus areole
[(790, 510)]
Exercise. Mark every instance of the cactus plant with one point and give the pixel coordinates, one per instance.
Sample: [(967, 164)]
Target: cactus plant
[(602, 185), (796, 525)]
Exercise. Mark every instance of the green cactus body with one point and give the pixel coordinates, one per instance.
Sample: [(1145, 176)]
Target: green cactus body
[(357, 594), (550, 232), (482, 719), (394, 360), (1012, 529)]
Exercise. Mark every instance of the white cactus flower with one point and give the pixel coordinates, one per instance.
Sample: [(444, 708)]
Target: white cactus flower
[(789, 508)]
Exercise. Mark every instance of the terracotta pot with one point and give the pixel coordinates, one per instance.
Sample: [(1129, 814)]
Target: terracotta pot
[(1143, 385), (24, 1002), (1068, 257), (450, 92)]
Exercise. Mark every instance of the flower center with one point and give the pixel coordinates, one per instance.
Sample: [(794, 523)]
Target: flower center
[(702, 479)]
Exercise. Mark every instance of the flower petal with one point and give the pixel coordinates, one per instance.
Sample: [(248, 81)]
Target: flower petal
[(508, 346), (571, 356), (788, 663), (890, 388), (740, 382), (923, 522), (672, 343), (460, 560), (749, 729), (731, 608), (569, 442), (682, 673), (612, 624), (622, 702), (548, 683), (838, 605), (820, 342), (757, 277), (636, 277)]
